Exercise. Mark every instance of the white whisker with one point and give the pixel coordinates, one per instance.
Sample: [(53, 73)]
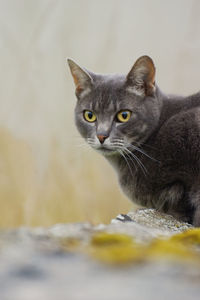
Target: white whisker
[(122, 154), (134, 147), (138, 161), (130, 154), (141, 151), (120, 145), (130, 157)]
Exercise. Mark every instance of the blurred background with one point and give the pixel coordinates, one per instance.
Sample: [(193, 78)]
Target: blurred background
[(47, 173)]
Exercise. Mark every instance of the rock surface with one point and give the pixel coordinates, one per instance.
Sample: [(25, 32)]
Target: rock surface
[(142, 255)]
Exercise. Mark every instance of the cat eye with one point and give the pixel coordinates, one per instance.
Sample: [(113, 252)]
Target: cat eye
[(89, 116), (123, 116)]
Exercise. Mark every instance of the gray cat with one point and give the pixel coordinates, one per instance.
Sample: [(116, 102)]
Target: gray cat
[(151, 139)]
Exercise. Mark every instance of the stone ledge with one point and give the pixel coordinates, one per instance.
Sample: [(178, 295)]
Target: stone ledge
[(143, 255)]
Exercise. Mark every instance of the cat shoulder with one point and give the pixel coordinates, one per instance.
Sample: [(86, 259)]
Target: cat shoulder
[(181, 128)]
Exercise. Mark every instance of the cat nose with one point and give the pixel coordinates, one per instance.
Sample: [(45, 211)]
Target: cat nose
[(102, 138)]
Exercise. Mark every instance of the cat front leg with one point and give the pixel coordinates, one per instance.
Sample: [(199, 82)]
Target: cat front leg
[(169, 196), (195, 199), (196, 219), (172, 200)]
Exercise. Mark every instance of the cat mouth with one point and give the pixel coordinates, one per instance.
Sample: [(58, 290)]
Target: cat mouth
[(106, 151)]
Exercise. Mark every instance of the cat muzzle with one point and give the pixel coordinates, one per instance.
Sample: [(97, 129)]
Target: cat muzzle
[(102, 138)]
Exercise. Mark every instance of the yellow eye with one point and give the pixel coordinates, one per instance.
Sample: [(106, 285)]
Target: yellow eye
[(123, 116), (89, 116)]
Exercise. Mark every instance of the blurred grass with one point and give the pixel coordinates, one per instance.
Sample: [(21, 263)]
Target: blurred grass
[(74, 187)]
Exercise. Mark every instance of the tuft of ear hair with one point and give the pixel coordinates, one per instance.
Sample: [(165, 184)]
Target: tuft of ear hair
[(141, 78), (82, 80)]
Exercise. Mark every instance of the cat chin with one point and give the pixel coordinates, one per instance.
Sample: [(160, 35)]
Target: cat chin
[(107, 152)]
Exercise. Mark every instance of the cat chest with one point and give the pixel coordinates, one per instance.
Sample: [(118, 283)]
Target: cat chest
[(136, 188)]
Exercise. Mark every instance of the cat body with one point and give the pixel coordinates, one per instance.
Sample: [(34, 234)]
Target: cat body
[(151, 139)]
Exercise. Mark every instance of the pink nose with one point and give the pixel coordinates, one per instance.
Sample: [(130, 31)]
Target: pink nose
[(102, 138)]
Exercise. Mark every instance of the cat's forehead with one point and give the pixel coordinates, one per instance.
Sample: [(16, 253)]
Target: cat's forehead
[(109, 81), (107, 91)]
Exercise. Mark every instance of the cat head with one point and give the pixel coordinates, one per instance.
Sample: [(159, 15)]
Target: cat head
[(114, 112)]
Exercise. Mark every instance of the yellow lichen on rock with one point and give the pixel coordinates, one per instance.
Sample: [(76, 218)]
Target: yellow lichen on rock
[(123, 249), (179, 247), (171, 250), (189, 237), (120, 248), (115, 248), (108, 239)]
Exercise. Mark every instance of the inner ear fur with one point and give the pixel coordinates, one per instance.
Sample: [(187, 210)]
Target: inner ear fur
[(82, 79), (141, 79)]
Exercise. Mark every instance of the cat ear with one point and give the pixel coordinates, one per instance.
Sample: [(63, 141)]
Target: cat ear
[(141, 79), (82, 80)]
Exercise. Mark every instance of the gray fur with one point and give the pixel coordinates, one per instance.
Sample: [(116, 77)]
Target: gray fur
[(157, 152)]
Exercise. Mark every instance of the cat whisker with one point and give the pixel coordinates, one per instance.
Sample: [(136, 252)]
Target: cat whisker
[(93, 144), (122, 154), (91, 140), (145, 145), (131, 155), (138, 161), (124, 151), (136, 148), (118, 144), (141, 151), (117, 141)]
